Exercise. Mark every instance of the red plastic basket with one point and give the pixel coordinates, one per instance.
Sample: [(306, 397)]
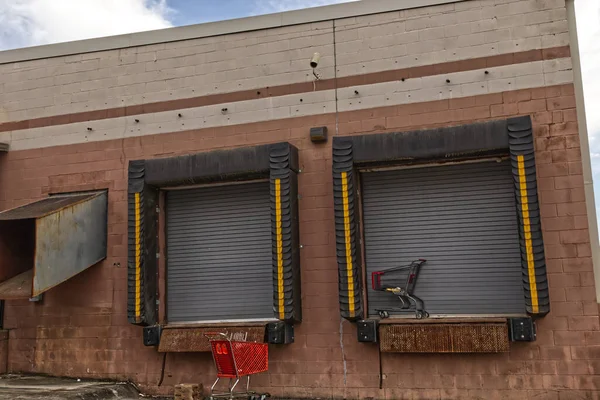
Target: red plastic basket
[(234, 359)]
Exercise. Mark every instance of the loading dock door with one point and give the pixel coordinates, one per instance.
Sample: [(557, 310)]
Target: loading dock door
[(462, 219), (219, 264)]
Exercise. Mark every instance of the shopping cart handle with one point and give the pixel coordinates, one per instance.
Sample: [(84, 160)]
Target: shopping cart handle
[(376, 279)]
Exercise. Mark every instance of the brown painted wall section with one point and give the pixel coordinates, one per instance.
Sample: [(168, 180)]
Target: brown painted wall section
[(81, 328)]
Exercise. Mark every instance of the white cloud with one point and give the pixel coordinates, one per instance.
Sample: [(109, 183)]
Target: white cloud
[(270, 6), (34, 22)]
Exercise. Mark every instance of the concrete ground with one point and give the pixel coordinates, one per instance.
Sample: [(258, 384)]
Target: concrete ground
[(18, 387)]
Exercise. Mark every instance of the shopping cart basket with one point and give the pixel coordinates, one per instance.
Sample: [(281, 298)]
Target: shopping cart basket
[(405, 294), (235, 359)]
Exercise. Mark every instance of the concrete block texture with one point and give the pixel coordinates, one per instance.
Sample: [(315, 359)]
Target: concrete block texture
[(278, 56), (74, 122), (75, 334)]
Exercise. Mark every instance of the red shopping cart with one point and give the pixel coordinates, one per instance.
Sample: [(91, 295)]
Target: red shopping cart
[(235, 359)]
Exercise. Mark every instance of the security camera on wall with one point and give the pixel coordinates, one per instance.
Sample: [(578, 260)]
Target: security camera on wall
[(314, 62)]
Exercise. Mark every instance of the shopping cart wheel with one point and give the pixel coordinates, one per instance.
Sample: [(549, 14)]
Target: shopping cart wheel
[(259, 396), (383, 314), (420, 315), (426, 314)]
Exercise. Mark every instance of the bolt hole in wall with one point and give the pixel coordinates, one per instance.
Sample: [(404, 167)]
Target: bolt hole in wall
[(460, 218)]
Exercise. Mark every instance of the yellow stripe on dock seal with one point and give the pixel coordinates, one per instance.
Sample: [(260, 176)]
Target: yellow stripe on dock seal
[(349, 273), (527, 234), (138, 253), (279, 240)]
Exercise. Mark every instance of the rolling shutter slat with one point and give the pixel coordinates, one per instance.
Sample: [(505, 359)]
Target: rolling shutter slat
[(219, 263), (462, 219)]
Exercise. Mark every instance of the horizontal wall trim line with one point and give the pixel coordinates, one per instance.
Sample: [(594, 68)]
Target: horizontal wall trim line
[(294, 88), (282, 123)]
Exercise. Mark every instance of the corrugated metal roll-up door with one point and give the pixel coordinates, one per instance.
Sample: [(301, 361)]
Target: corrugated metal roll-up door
[(219, 264), (462, 219)]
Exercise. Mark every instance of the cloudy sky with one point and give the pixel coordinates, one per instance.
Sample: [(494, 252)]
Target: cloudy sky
[(31, 22), (34, 22)]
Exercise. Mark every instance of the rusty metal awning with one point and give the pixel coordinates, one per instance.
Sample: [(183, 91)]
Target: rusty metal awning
[(47, 242), (44, 207)]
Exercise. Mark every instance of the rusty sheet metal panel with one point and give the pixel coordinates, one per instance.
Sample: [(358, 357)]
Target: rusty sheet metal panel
[(43, 207), (444, 338), (69, 240), (188, 340)]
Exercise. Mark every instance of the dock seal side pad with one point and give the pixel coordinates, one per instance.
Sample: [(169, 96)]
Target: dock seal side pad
[(141, 247), (287, 304), (346, 231), (533, 261)]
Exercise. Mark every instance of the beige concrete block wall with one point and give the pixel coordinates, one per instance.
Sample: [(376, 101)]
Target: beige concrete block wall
[(262, 58), (146, 74), (448, 33)]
